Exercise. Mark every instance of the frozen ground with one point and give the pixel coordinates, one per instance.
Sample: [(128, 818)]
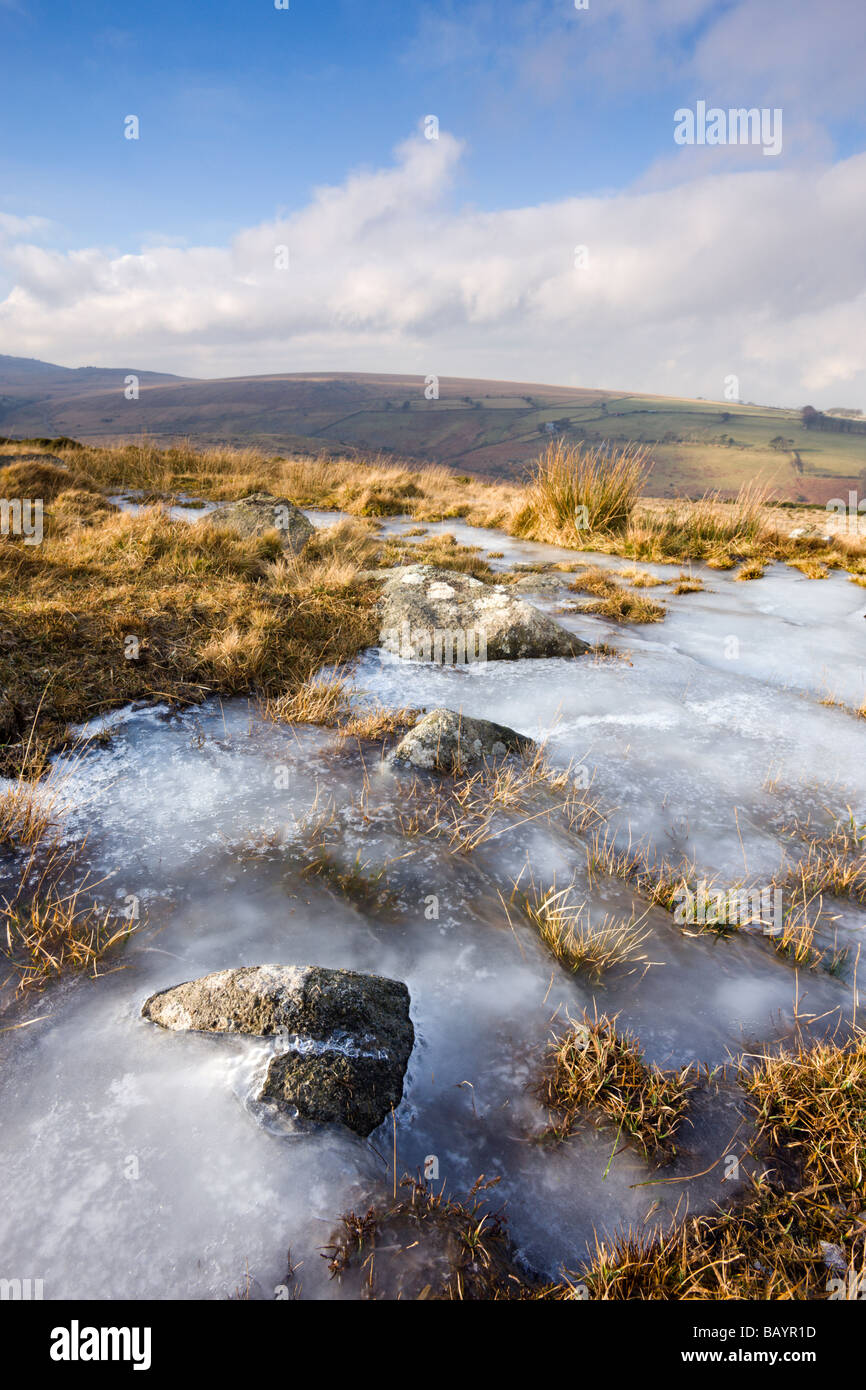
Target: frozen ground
[(137, 1163)]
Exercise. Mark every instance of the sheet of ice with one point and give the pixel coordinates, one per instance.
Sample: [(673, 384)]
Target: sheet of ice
[(184, 508)]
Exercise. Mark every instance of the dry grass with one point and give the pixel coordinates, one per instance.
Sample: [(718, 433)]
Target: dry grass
[(54, 933), (619, 521), (428, 1246), (209, 611), (569, 933), (575, 489), (597, 1071), (752, 569), (613, 601), (798, 1233), (217, 613)]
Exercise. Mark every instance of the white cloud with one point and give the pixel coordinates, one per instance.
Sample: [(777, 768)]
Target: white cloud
[(756, 273), (12, 226)]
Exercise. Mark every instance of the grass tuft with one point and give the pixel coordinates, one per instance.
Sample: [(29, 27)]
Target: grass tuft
[(594, 1069), (578, 943), (575, 489)]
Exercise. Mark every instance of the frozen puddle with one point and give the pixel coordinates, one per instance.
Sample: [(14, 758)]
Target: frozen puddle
[(137, 1163)]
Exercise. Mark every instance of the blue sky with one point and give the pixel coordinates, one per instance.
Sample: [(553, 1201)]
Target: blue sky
[(246, 111)]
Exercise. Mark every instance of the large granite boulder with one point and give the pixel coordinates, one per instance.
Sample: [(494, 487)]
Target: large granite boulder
[(261, 512), (443, 741), (440, 615), (345, 1038)]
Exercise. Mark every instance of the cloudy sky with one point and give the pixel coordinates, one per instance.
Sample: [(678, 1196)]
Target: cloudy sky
[(283, 208)]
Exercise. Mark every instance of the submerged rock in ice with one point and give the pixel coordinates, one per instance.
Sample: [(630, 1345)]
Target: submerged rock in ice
[(348, 1036), (445, 741)]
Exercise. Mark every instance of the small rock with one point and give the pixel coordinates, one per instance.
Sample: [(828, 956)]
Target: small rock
[(444, 741), (540, 583), (261, 512), (8, 459), (810, 533), (348, 1036)]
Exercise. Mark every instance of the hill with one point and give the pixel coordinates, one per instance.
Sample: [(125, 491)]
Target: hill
[(490, 428)]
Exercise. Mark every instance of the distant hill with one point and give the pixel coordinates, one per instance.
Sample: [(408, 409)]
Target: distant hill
[(493, 428)]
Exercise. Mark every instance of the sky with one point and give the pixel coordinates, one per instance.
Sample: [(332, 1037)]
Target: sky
[(290, 204)]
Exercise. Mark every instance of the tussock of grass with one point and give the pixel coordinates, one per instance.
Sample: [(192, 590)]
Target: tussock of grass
[(597, 1071), (359, 883), (752, 569), (28, 808), (812, 1104), (655, 879), (45, 480), (578, 943), (379, 724), (640, 579), (708, 529), (834, 863), (613, 601), (54, 933), (798, 1233), (527, 788), (575, 488), (666, 885), (320, 700), (440, 550), (428, 1246), (330, 700), (812, 567), (688, 584)]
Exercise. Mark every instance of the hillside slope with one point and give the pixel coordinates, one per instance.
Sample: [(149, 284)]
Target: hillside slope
[(490, 428)]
